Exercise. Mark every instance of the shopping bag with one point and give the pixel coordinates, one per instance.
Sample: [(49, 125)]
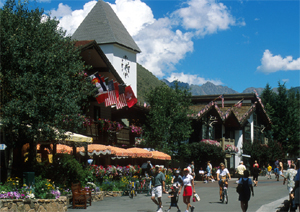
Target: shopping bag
[(196, 196), (194, 200)]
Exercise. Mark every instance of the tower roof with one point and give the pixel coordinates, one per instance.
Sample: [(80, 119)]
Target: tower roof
[(103, 25)]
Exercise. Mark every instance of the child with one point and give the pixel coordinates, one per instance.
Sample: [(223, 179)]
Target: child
[(174, 198), (269, 171)]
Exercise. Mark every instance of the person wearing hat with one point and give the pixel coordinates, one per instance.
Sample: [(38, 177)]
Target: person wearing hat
[(222, 174), (189, 189), (158, 187), (176, 179)]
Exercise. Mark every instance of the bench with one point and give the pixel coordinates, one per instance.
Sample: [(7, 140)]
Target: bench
[(80, 196)]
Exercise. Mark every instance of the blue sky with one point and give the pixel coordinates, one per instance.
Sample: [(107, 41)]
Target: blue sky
[(236, 43)]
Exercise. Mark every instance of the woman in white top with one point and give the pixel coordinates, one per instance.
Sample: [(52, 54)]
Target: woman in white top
[(222, 174), (189, 187)]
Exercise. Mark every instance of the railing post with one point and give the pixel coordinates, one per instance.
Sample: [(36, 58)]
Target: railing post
[(223, 143)]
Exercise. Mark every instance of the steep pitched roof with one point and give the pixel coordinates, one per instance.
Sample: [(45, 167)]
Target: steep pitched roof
[(103, 25)]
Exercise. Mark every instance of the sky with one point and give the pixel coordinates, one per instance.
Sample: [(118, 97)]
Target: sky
[(234, 43)]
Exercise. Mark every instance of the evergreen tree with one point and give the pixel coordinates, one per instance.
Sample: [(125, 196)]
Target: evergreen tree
[(283, 109), (293, 123), (43, 85), (168, 124)]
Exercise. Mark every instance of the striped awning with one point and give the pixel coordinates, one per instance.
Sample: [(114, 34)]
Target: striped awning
[(140, 153), (160, 155)]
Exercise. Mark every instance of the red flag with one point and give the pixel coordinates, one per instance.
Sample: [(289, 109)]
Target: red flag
[(112, 99), (122, 101), (116, 84), (130, 97), (101, 98)]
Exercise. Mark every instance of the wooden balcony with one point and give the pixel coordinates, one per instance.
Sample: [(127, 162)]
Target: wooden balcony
[(224, 141)]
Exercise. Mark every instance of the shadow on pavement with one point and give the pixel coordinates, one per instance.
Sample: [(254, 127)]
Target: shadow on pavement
[(285, 207)]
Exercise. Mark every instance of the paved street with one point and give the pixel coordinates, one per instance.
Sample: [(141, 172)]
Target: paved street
[(268, 197)]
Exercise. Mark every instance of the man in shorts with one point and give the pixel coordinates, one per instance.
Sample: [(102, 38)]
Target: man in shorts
[(158, 187)]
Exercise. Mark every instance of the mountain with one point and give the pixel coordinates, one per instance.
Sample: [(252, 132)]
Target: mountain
[(147, 81)]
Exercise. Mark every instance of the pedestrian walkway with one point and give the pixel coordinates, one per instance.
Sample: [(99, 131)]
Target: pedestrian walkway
[(269, 197)]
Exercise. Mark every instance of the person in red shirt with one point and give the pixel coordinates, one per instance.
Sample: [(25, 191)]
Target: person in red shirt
[(255, 164)]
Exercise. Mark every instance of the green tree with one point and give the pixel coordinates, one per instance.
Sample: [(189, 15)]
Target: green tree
[(43, 85), (293, 122), (168, 124), (201, 152), (283, 109)]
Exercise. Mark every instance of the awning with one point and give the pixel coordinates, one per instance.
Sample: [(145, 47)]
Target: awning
[(77, 138), (98, 149), (160, 155), (140, 153)]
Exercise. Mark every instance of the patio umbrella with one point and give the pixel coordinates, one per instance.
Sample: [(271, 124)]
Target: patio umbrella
[(160, 155), (140, 153), (95, 149)]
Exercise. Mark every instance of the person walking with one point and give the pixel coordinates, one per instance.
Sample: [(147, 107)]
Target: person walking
[(189, 189), (296, 189), (240, 170), (269, 171), (174, 198), (255, 174), (255, 164), (158, 187), (222, 175), (193, 169), (289, 177), (208, 173), (244, 196), (176, 179)]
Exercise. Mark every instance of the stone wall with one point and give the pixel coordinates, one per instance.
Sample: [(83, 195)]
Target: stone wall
[(39, 205)]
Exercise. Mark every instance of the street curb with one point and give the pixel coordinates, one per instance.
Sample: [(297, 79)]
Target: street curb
[(273, 206)]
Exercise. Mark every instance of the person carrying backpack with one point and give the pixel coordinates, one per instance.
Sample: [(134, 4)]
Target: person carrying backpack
[(244, 195)]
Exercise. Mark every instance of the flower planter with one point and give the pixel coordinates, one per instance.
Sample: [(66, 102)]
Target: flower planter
[(32, 205)]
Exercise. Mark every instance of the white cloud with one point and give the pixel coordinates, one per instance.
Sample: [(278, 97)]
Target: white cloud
[(135, 15), (70, 20), (165, 41), (270, 63), (191, 79), (161, 47), (205, 16)]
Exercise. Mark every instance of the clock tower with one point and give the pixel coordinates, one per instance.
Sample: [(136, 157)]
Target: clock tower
[(104, 26)]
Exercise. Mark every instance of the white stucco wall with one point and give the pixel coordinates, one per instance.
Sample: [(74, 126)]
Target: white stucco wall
[(116, 54), (250, 120), (238, 144)]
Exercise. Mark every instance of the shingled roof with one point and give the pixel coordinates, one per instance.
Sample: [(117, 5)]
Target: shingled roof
[(103, 25)]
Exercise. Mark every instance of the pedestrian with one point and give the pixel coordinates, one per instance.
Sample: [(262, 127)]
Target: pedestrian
[(244, 196), (208, 173), (222, 175), (240, 170), (158, 187), (189, 189), (276, 169), (255, 164), (296, 189), (269, 169), (176, 179), (281, 169), (193, 169), (289, 176), (174, 198), (255, 174), (202, 174)]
